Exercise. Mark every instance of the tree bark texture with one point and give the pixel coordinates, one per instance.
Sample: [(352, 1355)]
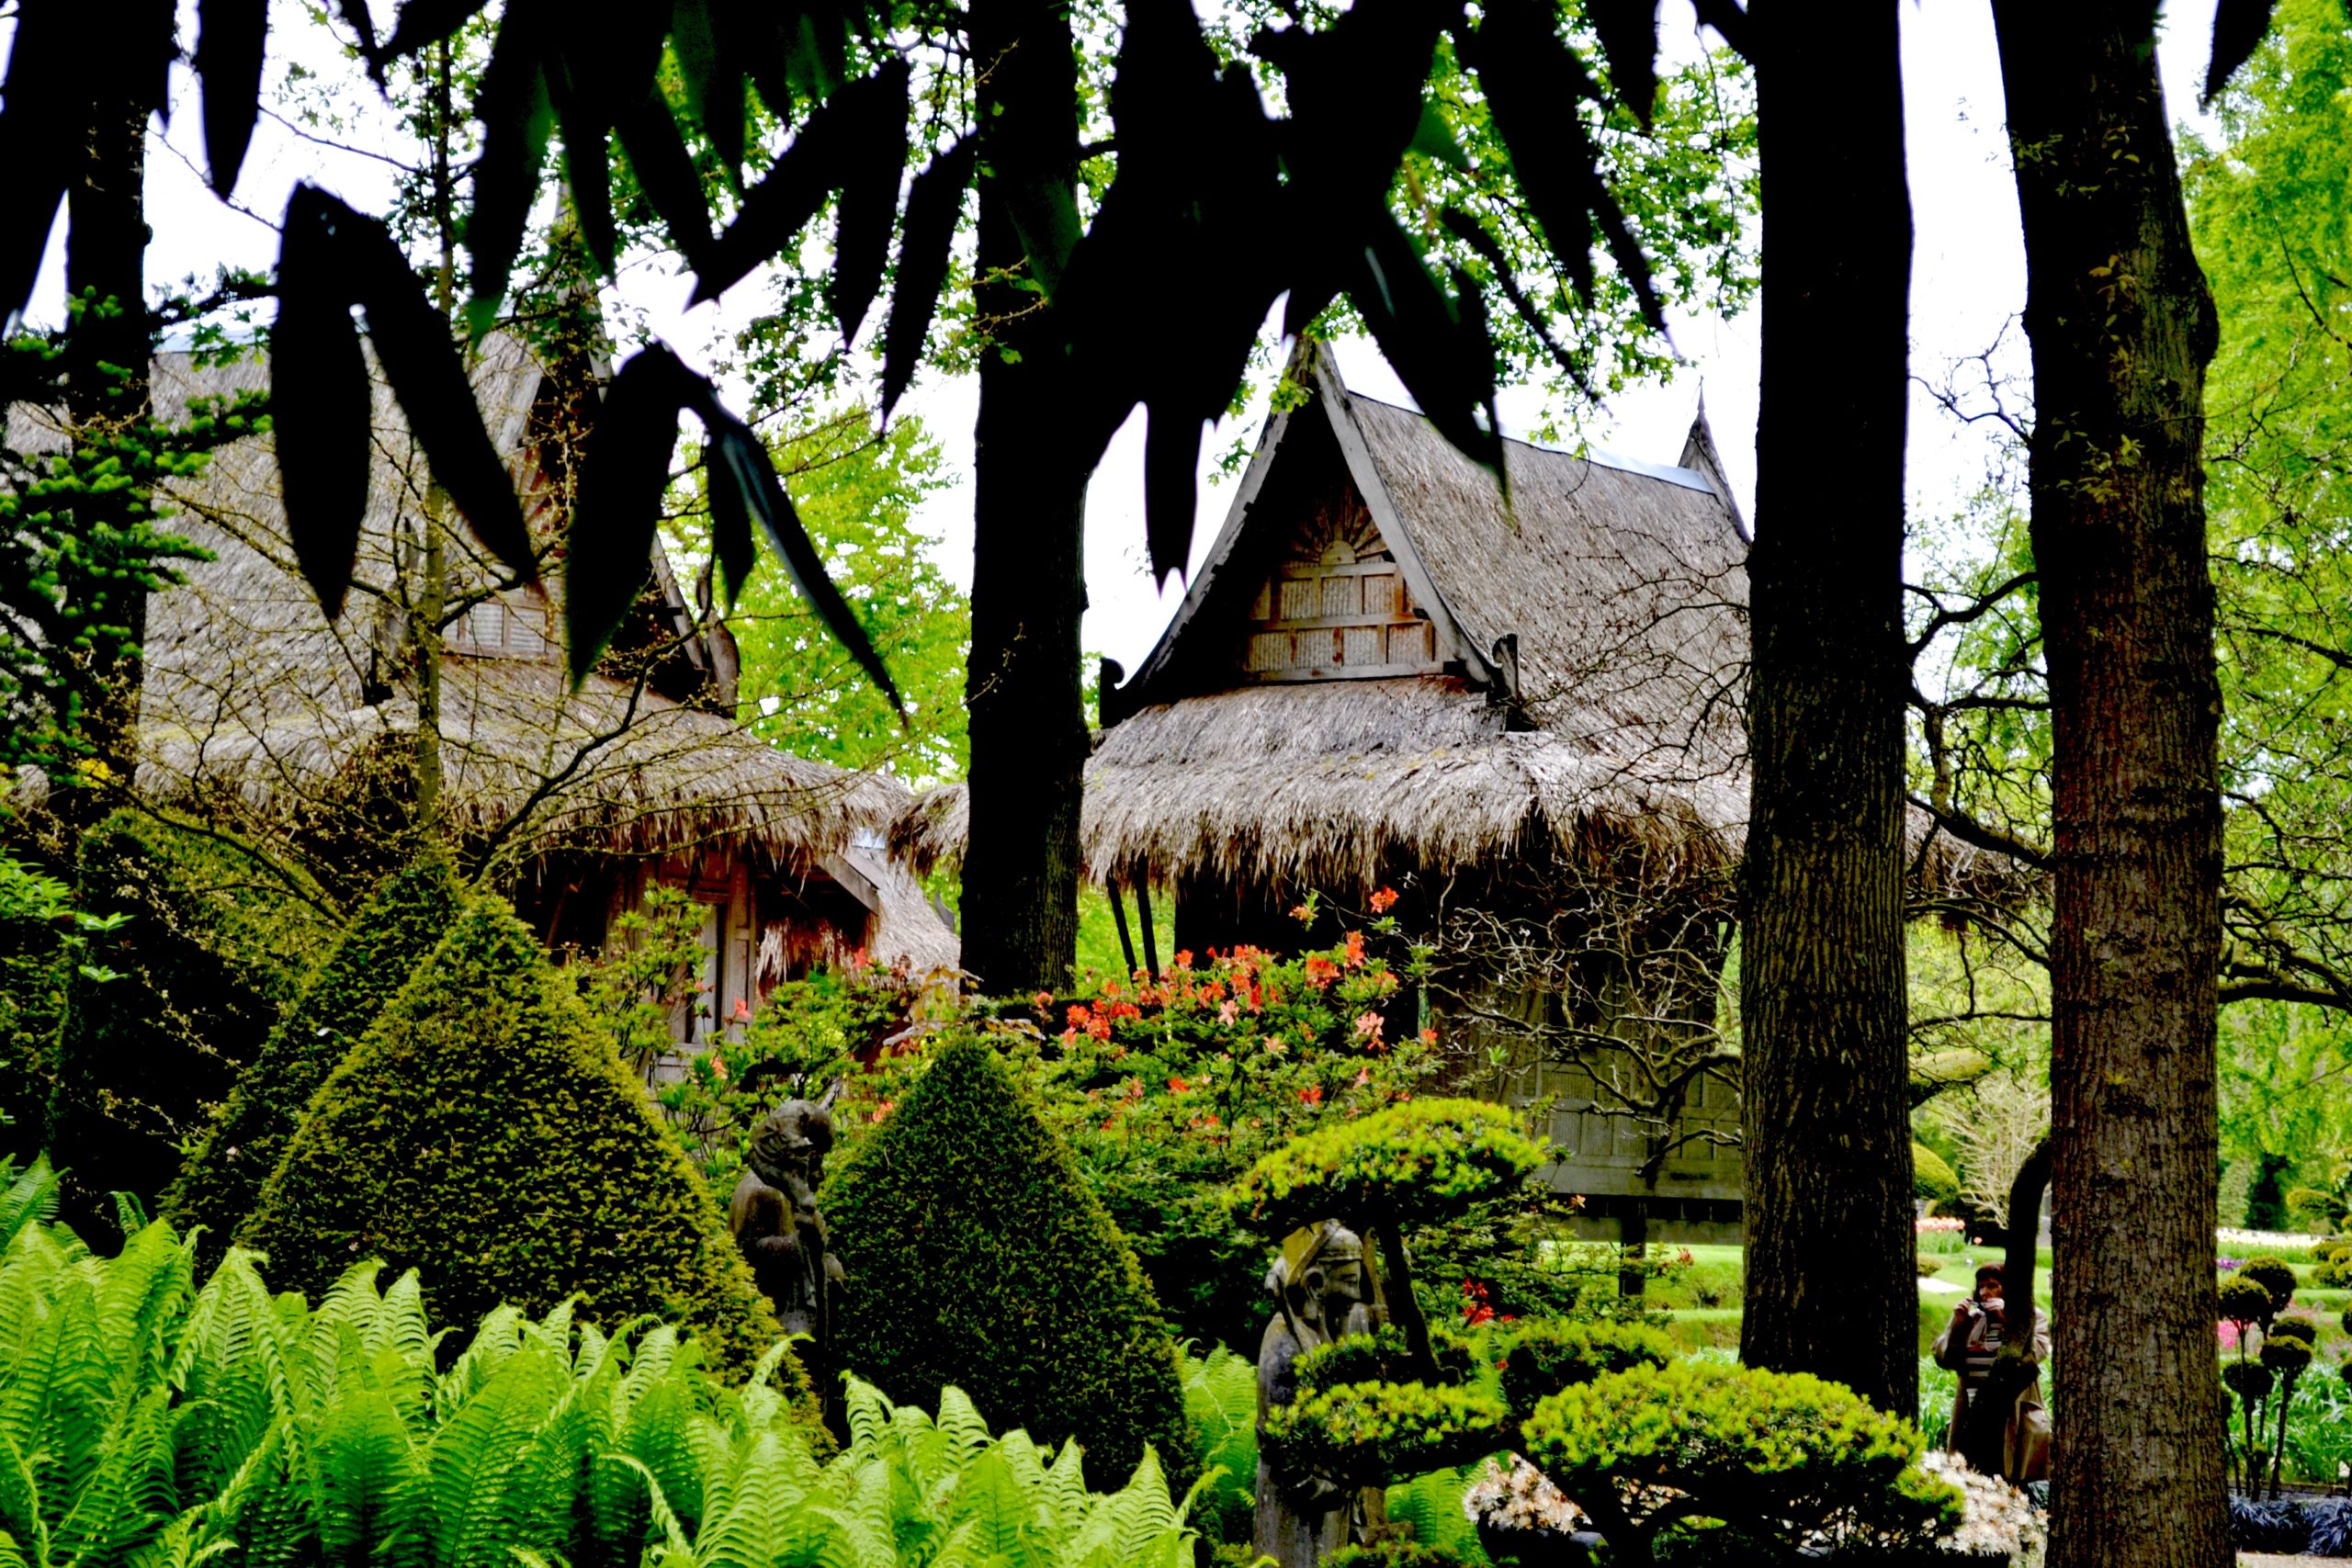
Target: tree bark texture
[(1023, 695), (106, 384), (1824, 1116), (2122, 327)]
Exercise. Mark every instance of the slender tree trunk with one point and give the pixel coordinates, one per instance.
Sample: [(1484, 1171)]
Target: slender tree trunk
[(2122, 327), (1831, 1289), (1028, 721), (433, 595), (106, 386)]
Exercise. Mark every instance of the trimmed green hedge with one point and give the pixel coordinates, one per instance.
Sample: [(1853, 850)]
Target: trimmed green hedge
[(1412, 1164), (389, 938), (1932, 1178), (1369, 1434), (484, 1134), (976, 1257), (1554, 1353), (211, 951)]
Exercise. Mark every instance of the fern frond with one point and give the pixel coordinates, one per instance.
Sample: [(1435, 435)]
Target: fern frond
[(31, 1199)]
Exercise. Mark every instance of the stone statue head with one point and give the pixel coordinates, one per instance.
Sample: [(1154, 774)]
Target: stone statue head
[(1320, 1276), (791, 1142)]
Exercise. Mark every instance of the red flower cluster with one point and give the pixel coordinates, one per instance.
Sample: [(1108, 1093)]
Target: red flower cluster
[(1383, 900)]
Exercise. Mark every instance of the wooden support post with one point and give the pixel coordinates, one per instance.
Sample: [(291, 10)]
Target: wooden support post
[(1119, 914), (1150, 939)]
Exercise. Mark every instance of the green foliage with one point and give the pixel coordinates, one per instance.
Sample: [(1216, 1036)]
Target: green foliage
[(1221, 1407), (2275, 1275), (80, 543), (42, 937), (1383, 1353), (389, 939), (1394, 1551), (2334, 1272), (2265, 1200), (145, 1422), (976, 1257), (1368, 1434), (484, 1134), (1422, 1160), (209, 945), (2243, 1301), (1780, 1458), (1551, 1354), (1431, 1506), (1167, 1089), (1930, 1177), (2250, 1381), (856, 490)]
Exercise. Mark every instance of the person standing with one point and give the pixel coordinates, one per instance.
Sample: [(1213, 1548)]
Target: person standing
[(2017, 1448)]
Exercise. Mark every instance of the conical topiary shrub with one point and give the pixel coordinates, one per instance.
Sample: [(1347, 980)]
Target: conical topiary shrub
[(389, 938), (209, 950), (977, 1258), (483, 1133)]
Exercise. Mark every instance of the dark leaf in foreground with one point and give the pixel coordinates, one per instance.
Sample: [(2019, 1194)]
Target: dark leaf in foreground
[(424, 23), (516, 117), (593, 71), (665, 173), (713, 78), (319, 400), (228, 43), (36, 138), (1532, 79), (624, 469), (421, 362), (1440, 352), (2239, 26), (863, 217), (1628, 33), (926, 241), (795, 186), (742, 477)]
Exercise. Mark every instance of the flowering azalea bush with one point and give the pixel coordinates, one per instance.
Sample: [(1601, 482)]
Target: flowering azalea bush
[(1167, 1087)]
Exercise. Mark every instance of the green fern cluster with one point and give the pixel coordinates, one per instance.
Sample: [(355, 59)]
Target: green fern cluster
[(147, 1424), (1221, 1407)]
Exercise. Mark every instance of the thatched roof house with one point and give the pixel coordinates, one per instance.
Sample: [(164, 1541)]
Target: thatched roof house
[(255, 704)]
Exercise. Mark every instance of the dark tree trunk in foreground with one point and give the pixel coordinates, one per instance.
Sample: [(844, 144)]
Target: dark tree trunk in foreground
[(1824, 1119), (106, 384), (1028, 720), (2122, 327)]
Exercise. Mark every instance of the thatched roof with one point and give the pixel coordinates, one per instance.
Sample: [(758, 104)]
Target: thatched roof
[(249, 688), (1590, 629)]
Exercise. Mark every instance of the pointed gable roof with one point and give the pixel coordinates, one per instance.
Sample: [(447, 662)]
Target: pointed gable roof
[(1601, 599)]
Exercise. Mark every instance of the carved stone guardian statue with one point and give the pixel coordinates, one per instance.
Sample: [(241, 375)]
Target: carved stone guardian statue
[(775, 1221), (1320, 1293)]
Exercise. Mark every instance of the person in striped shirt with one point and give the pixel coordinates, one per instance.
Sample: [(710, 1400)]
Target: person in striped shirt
[(2020, 1448)]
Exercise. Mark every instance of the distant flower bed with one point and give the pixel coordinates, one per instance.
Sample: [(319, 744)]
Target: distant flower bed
[(2261, 1241), (1938, 1226)]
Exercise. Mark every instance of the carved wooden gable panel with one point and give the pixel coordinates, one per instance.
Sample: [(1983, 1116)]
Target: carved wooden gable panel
[(1335, 605)]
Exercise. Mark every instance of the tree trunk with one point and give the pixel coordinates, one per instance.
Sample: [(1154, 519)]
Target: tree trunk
[(1831, 1289), (106, 357), (2122, 328), (1028, 722)]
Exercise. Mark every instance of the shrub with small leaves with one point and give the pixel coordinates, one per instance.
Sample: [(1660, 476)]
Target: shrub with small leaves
[(1551, 1354), (2335, 1273), (1392, 1551), (2243, 1300), (1932, 1178), (2250, 1381), (2275, 1275), (484, 1133), (1782, 1458), (1423, 1160), (1383, 1353), (1368, 1434)]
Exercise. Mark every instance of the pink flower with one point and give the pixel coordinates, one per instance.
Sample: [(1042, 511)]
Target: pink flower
[(1228, 1012)]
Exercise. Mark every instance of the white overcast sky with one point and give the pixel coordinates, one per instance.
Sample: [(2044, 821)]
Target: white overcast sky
[(1968, 285)]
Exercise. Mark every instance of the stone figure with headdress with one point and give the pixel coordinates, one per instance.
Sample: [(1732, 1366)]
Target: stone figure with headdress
[(1321, 1291), (775, 1221)]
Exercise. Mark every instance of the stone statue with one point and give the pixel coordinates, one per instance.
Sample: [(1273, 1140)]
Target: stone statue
[(774, 1218), (1320, 1293)]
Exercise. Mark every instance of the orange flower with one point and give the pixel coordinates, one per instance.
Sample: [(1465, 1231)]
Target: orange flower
[(882, 1110), (1045, 1001), (1311, 1095), (1183, 958), (1355, 949), (1178, 1085), (1320, 971), (1303, 913), (1383, 900), (1428, 1035)]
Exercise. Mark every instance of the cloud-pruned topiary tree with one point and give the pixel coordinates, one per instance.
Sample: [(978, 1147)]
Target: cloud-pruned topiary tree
[(484, 1133), (976, 1257), (393, 933)]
